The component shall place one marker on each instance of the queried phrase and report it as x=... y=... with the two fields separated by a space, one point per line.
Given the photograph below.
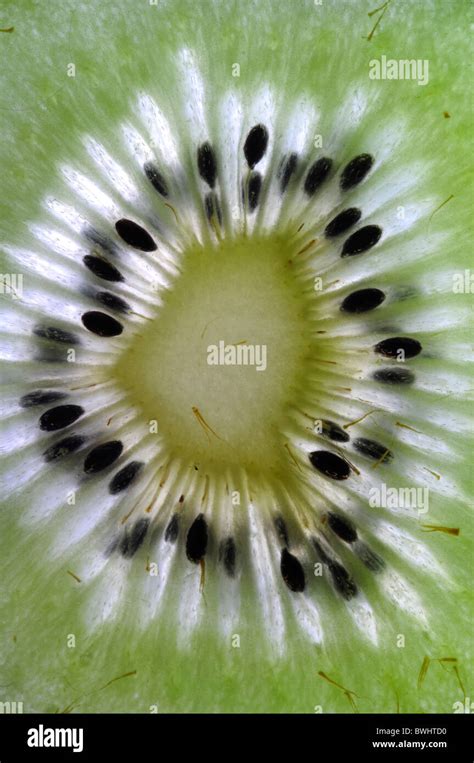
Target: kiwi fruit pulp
x=234 y=431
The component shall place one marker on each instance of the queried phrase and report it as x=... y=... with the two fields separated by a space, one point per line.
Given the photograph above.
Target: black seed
x=362 y=300
x=172 y=530
x=124 y=478
x=394 y=376
x=317 y=174
x=100 y=240
x=342 y=222
x=206 y=162
x=343 y=528
x=227 y=554
x=320 y=551
x=60 y=417
x=156 y=178
x=255 y=145
x=102 y=456
x=132 y=541
x=64 y=448
x=342 y=580
x=373 y=449
x=102 y=269
x=286 y=170
x=41 y=397
x=253 y=189
x=196 y=540
x=372 y=561
x=292 y=572
x=330 y=464
x=361 y=241
x=112 y=301
x=391 y=347
x=355 y=171
x=101 y=324
x=282 y=531
x=134 y=235
x=212 y=207
x=334 y=431
x=54 y=334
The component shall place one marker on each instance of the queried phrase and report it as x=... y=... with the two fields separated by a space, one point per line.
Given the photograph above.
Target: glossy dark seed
x=132 y=540
x=342 y=580
x=286 y=170
x=334 y=431
x=394 y=376
x=227 y=554
x=113 y=302
x=255 y=145
x=101 y=324
x=102 y=456
x=342 y=222
x=330 y=464
x=172 y=529
x=370 y=559
x=102 y=269
x=196 y=540
x=156 y=178
x=54 y=334
x=292 y=572
x=207 y=165
x=253 y=189
x=361 y=241
x=134 y=235
x=343 y=528
x=41 y=397
x=354 y=172
x=60 y=417
x=63 y=448
x=99 y=239
x=125 y=477
x=390 y=348
x=317 y=174
x=282 y=531
x=373 y=449
x=362 y=300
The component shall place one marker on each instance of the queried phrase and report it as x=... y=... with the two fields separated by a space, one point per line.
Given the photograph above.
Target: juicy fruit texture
x=245 y=165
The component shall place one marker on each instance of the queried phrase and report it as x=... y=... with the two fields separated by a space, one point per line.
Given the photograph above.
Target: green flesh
x=117 y=50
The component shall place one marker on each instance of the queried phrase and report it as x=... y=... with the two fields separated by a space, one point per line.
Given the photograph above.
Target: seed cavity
x=373 y=449
x=342 y=527
x=206 y=162
x=227 y=555
x=132 y=540
x=99 y=239
x=212 y=207
x=342 y=580
x=196 y=540
x=354 y=172
x=334 y=431
x=292 y=571
x=342 y=222
x=394 y=376
x=317 y=174
x=172 y=529
x=156 y=178
x=255 y=145
x=53 y=334
x=369 y=558
x=361 y=241
x=254 y=187
x=101 y=324
x=286 y=170
x=281 y=530
x=330 y=464
x=113 y=302
x=362 y=300
x=102 y=456
x=60 y=417
x=41 y=397
x=134 y=235
x=64 y=448
x=125 y=477
x=102 y=269
x=390 y=348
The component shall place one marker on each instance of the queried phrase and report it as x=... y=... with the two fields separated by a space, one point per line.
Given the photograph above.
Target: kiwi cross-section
x=235 y=339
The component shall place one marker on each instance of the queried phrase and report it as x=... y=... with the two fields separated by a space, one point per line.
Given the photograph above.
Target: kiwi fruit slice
x=235 y=419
